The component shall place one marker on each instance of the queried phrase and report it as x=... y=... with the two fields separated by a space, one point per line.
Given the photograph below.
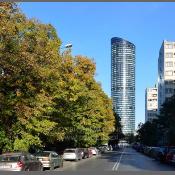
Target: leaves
x=160 y=131
x=46 y=97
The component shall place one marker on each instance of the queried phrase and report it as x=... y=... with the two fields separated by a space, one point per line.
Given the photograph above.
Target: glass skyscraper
x=123 y=82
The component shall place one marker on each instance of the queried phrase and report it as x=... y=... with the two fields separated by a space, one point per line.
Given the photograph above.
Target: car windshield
x=69 y=151
x=44 y=154
x=9 y=158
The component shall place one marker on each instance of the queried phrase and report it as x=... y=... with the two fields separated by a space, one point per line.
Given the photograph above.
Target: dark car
x=103 y=148
x=147 y=150
x=86 y=153
x=170 y=157
x=19 y=162
x=162 y=153
x=152 y=152
x=141 y=148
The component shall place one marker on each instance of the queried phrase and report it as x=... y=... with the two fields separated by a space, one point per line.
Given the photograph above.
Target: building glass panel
x=123 y=82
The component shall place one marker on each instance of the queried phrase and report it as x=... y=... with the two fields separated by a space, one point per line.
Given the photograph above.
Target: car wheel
x=61 y=164
x=42 y=168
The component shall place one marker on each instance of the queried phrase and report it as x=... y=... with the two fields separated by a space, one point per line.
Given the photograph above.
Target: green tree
x=46 y=96
x=117 y=134
x=83 y=106
x=161 y=130
x=147 y=133
x=167 y=121
x=29 y=58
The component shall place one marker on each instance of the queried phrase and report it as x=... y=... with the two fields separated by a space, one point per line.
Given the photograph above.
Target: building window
x=169 y=73
x=169 y=90
x=168 y=46
x=169 y=55
x=169 y=64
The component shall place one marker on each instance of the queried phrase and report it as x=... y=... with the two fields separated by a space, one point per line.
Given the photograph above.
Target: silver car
x=19 y=162
x=72 y=154
x=50 y=159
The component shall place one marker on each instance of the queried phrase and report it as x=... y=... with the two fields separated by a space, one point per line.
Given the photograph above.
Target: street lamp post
x=67 y=47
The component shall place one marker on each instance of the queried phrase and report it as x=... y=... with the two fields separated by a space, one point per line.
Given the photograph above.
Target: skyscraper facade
x=123 y=82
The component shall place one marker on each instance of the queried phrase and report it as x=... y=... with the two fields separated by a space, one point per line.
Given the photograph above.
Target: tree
x=147 y=133
x=84 y=108
x=46 y=97
x=130 y=138
x=29 y=58
x=117 y=134
x=167 y=120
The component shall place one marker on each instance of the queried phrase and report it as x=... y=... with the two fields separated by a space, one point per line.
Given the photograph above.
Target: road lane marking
x=116 y=165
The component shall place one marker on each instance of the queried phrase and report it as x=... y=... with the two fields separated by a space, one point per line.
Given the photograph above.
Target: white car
x=72 y=154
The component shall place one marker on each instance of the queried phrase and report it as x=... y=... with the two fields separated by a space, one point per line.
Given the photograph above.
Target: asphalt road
x=125 y=159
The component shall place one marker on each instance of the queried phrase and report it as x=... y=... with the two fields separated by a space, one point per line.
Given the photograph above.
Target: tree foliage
x=117 y=134
x=160 y=131
x=46 y=96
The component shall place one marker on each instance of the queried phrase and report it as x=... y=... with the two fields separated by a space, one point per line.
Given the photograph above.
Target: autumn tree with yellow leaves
x=46 y=96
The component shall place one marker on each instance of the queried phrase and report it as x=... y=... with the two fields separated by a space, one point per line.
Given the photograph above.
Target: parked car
x=161 y=153
x=170 y=158
x=72 y=154
x=103 y=148
x=147 y=150
x=82 y=151
x=153 y=151
x=90 y=152
x=19 y=162
x=94 y=151
x=138 y=147
x=50 y=159
x=86 y=153
x=134 y=145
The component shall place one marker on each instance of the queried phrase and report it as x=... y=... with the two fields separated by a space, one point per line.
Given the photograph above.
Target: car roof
x=14 y=153
x=71 y=148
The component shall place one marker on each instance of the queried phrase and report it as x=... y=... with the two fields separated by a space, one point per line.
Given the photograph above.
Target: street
x=125 y=159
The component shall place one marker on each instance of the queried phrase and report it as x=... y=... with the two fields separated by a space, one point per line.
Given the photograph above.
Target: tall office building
x=151 y=104
x=166 y=72
x=123 y=82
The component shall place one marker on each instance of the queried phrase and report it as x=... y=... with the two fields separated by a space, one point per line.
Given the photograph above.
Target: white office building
x=166 y=72
x=151 y=104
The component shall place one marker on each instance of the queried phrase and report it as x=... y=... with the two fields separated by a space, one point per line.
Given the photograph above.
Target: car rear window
x=69 y=151
x=5 y=158
x=44 y=154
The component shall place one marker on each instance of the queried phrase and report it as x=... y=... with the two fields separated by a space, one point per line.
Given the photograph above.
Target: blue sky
x=89 y=26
